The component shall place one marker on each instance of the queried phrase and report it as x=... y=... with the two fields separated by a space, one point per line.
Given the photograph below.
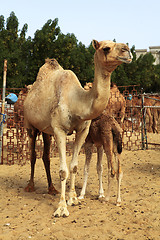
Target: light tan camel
x=106 y=134
x=57 y=105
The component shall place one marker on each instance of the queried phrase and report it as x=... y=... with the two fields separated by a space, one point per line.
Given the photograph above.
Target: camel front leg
x=62 y=210
x=111 y=172
x=79 y=140
x=88 y=152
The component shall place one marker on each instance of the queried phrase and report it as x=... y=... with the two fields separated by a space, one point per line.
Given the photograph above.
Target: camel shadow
x=8 y=183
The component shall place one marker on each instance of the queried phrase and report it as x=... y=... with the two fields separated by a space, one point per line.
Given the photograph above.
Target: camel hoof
x=118 y=204
x=81 y=197
x=73 y=201
x=52 y=190
x=107 y=199
x=29 y=188
x=101 y=198
x=112 y=173
x=61 y=212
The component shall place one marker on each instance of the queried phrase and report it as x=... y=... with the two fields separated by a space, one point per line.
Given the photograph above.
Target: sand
x=30 y=215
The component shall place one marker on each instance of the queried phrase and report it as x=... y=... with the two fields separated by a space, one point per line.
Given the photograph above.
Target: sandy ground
x=30 y=215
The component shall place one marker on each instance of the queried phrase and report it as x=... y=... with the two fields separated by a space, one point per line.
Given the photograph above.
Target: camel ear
x=95 y=44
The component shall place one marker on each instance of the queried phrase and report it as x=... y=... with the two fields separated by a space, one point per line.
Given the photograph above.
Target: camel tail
x=117 y=138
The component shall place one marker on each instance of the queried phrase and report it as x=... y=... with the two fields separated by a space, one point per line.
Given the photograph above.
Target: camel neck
x=99 y=93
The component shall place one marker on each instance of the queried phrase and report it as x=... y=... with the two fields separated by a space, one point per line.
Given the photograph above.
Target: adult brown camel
x=19 y=117
x=18 y=107
x=106 y=134
x=136 y=112
x=57 y=105
x=155 y=100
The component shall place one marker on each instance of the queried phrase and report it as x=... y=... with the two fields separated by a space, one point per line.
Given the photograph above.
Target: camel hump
x=54 y=65
x=47 y=68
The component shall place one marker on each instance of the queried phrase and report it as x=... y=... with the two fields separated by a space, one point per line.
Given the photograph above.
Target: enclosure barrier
x=15 y=140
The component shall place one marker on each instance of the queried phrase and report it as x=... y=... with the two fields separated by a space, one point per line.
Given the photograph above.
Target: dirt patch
x=30 y=215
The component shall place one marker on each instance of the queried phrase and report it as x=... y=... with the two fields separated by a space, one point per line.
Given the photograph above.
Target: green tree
x=145 y=71
x=12 y=48
x=155 y=81
x=26 y=56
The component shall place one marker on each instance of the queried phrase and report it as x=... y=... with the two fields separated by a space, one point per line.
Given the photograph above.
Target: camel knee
x=74 y=169
x=63 y=175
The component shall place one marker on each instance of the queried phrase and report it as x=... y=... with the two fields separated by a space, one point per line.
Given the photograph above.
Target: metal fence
x=15 y=140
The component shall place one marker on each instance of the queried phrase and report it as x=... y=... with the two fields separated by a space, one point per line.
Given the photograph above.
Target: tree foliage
x=26 y=55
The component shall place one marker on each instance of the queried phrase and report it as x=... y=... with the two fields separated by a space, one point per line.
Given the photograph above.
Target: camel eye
x=106 y=50
x=124 y=50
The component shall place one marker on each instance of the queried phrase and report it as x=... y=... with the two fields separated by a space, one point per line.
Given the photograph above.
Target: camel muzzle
x=126 y=59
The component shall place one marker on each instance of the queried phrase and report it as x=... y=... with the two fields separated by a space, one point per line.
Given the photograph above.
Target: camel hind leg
x=32 y=140
x=46 y=161
x=119 y=175
x=88 y=152
x=100 y=170
x=108 y=148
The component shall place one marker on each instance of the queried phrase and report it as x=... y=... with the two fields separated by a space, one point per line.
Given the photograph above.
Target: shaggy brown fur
x=104 y=133
x=116 y=104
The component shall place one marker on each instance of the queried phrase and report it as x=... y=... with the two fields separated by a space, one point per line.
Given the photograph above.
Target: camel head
x=110 y=54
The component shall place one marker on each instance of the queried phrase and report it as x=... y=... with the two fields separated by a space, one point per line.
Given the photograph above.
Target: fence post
x=142 y=111
x=144 y=120
x=3 y=109
x=143 y=128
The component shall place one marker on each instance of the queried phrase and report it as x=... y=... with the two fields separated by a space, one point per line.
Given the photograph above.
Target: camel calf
x=105 y=133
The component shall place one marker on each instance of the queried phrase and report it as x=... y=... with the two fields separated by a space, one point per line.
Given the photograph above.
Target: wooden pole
x=142 y=123
x=3 y=109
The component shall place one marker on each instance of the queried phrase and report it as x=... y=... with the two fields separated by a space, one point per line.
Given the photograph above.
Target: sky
x=136 y=22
